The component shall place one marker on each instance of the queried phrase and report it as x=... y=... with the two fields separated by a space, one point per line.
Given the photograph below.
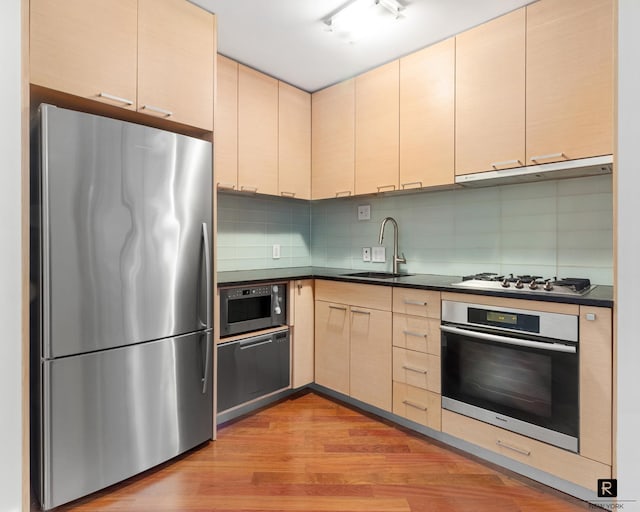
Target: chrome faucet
x=396 y=259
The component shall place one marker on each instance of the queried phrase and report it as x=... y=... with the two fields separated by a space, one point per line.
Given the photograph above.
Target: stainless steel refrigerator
x=121 y=314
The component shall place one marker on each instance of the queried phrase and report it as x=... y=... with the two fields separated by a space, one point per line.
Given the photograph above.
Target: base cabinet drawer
x=416 y=333
x=416 y=302
x=558 y=462
x=417 y=405
x=416 y=369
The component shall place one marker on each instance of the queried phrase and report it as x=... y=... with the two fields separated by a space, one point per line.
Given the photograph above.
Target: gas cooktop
x=526 y=283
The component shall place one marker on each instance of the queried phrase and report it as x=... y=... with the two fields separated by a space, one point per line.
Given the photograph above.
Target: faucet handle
x=401 y=259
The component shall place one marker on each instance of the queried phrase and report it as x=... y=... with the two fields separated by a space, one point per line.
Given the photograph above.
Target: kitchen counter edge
x=600 y=296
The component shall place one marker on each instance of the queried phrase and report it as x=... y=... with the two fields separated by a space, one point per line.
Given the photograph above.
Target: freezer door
x=125 y=213
x=112 y=414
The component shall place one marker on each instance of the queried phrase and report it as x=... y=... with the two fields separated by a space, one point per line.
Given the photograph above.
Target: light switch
x=276 y=251
x=378 y=254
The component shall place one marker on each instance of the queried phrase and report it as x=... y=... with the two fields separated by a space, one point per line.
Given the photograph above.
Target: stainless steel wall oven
x=514 y=368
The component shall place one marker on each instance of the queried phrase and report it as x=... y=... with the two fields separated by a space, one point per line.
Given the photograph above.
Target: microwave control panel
x=253 y=291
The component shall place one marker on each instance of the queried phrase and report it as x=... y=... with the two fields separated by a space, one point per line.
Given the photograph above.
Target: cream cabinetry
x=353 y=341
x=257 y=132
x=427 y=102
x=570 y=74
x=153 y=57
x=302 y=324
x=226 y=124
x=490 y=95
x=294 y=142
x=416 y=356
x=333 y=141
x=377 y=130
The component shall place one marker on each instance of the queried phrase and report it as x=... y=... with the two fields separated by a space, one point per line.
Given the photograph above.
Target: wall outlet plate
x=366 y=254
x=378 y=254
x=276 y=251
x=364 y=212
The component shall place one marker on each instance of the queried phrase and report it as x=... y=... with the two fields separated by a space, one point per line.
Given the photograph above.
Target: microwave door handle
x=554 y=347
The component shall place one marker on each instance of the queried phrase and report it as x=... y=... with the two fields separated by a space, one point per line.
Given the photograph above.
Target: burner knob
x=505 y=283
x=519 y=284
x=533 y=285
x=548 y=286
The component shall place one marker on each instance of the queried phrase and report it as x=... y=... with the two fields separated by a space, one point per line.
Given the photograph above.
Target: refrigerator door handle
x=207 y=363
x=207 y=263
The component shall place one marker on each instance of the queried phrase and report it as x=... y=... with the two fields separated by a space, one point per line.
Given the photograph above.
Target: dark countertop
x=601 y=295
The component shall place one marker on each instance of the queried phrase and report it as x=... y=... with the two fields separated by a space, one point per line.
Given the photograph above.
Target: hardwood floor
x=310 y=453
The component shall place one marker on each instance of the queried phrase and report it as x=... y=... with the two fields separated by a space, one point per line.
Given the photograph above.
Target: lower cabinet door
x=332 y=346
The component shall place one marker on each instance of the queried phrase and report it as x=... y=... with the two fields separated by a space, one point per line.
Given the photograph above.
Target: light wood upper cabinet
x=87 y=48
x=490 y=95
x=333 y=142
x=175 y=62
x=427 y=93
x=377 y=129
x=226 y=125
x=294 y=142
x=569 y=79
x=257 y=131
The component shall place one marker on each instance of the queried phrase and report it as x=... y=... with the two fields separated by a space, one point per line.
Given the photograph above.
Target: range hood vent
x=594 y=166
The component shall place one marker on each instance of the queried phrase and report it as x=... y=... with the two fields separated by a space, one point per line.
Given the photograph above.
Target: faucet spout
x=396 y=259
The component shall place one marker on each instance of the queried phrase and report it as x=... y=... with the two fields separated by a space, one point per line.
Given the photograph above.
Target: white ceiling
x=288 y=40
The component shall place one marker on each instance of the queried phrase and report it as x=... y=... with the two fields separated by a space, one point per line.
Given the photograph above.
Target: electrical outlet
x=366 y=254
x=378 y=254
x=276 y=251
x=364 y=212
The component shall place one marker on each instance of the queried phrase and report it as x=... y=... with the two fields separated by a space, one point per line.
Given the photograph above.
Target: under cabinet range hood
x=594 y=166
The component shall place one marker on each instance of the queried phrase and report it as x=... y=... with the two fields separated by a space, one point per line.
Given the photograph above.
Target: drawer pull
x=111 y=97
x=415 y=405
x=163 y=112
x=514 y=448
x=361 y=312
x=339 y=308
x=415 y=302
x=226 y=186
x=546 y=157
x=390 y=187
x=416 y=334
x=412 y=369
x=405 y=185
x=343 y=193
x=506 y=162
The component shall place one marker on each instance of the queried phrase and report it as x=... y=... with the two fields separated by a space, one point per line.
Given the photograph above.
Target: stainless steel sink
x=376 y=275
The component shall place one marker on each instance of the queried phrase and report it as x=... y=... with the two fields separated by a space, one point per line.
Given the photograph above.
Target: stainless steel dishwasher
x=252 y=367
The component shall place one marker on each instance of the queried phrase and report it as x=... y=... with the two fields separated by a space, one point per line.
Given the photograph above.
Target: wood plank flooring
x=309 y=454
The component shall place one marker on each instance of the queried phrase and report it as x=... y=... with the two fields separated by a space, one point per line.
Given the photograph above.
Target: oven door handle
x=554 y=347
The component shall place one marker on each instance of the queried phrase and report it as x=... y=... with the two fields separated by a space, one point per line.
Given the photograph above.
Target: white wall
x=10 y=259
x=628 y=299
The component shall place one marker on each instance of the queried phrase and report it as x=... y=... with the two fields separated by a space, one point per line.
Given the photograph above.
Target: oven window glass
x=532 y=385
x=250 y=308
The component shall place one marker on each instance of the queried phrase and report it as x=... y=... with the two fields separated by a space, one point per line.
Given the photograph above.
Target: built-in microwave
x=252 y=308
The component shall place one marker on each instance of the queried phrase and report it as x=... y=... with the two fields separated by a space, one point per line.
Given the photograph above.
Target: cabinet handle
x=405 y=185
x=412 y=369
x=546 y=157
x=343 y=193
x=514 y=448
x=226 y=186
x=392 y=187
x=416 y=334
x=157 y=110
x=288 y=194
x=339 y=308
x=414 y=405
x=415 y=302
x=505 y=162
x=111 y=97
x=253 y=190
x=360 y=312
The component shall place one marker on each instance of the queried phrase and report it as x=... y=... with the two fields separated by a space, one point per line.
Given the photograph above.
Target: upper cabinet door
x=175 y=65
x=377 y=129
x=427 y=91
x=333 y=143
x=294 y=142
x=226 y=125
x=257 y=132
x=85 y=47
x=490 y=95
x=569 y=79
